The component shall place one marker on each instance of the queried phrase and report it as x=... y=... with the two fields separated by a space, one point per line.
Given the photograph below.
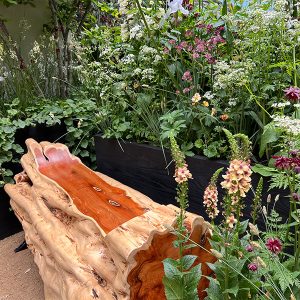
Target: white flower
x=2 y=79
x=124 y=32
x=174 y=7
x=136 y=32
x=291 y=126
x=209 y=95
x=281 y=104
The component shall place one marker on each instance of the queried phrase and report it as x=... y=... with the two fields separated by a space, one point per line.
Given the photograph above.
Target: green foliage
x=181 y=285
x=75 y=115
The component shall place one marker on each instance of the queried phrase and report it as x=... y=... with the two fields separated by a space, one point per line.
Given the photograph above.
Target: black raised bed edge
x=143 y=167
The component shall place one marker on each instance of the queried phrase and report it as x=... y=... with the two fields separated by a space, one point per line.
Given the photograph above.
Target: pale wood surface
x=91 y=236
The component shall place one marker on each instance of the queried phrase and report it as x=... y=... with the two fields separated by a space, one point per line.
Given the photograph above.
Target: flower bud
x=253 y=229
x=216 y=253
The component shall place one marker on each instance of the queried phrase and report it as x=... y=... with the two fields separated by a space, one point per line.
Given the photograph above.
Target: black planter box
x=144 y=168
x=9 y=224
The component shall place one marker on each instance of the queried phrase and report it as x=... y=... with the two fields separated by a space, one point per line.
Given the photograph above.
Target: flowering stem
x=155 y=44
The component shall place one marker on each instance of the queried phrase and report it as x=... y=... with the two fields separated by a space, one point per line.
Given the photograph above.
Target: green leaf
x=170 y=268
x=173 y=288
x=214 y=290
x=264 y=170
x=188 y=260
x=270 y=134
x=211 y=151
x=199 y=144
x=243 y=226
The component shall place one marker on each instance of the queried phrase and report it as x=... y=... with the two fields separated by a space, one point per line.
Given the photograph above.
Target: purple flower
x=210 y=58
x=297 y=170
x=287 y=163
x=292 y=93
x=249 y=248
x=274 y=245
x=296 y=196
x=294 y=153
x=252 y=267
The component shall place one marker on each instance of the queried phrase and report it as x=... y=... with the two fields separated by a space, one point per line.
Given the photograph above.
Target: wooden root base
x=93 y=237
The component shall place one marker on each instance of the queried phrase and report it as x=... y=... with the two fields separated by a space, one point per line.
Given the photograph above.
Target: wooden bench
x=91 y=236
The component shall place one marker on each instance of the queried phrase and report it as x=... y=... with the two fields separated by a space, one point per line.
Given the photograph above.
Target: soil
x=19 y=275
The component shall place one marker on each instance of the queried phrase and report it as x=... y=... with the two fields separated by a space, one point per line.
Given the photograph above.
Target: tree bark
x=93 y=237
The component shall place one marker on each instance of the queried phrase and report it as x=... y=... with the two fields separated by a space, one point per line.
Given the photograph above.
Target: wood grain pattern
x=93 y=237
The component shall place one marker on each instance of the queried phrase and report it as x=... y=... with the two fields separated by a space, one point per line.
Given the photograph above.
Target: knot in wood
x=114 y=203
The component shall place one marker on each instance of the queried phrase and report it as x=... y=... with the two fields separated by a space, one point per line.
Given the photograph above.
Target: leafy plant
x=181 y=278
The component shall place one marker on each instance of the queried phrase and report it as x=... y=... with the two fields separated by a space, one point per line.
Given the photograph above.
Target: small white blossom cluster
x=280 y=5
x=136 y=32
x=290 y=125
x=149 y=55
x=209 y=95
x=148 y=74
x=230 y=75
x=232 y=102
x=128 y=59
x=123 y=7
x=281 y=104
x=124 y=32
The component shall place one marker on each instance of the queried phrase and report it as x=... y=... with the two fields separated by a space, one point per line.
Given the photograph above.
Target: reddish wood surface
x=109 y=206
x=145 y=279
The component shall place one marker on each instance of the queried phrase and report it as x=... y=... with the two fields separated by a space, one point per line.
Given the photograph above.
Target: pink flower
x=231 y=220
x=177 y=92
x=209 y=28
x=274 y=245
x=249 y=248
x=252 y=267
x=187 y=90
x=182 y=174
x=183 y=44
x=187 y=76
x=286 y=163
x=292 y=93
x=190 y=48
x=188 y=33
x=166 y=50
x=200 y=47
x=195 y=55
x=172 y=42
x=237 y=177
x=210 y=58
x=210 y=201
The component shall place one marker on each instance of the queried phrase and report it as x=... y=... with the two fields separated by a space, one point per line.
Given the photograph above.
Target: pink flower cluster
x=237 y=177
x=210 y=201
x=288 y=163
x=187 y=76
x=274 y=245
x=201 y=41
x=292 y=93
x=182 y=174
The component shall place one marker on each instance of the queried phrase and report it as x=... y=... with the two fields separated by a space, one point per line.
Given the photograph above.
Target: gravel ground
x=19 y=276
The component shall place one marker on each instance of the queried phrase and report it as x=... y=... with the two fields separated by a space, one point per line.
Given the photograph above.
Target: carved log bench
x=91 y=236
